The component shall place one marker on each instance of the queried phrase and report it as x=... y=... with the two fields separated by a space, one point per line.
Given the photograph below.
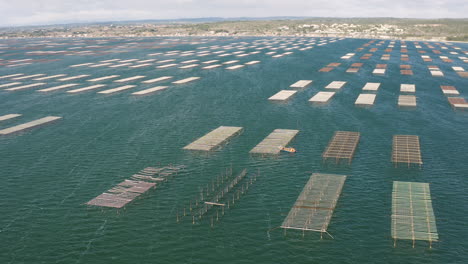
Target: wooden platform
x=412 y=214
x=335 y=85
x=252 y=62
x=282 y=95
x=449 y=90
x=407 y=101
x=9 y=84
x=122 y=194
x=84 y=89
x=407 y=88
x=276 y=140
x=342 y=146
x=9 y=116
x=235 y=67
x=365 y=100
x=103 y=78
x=379 y=71
x=27 y=86
x=314 y=207
x=73 y=77
x=118 y=89
x=371 y=87
x=458 y=102
x=159 y=79
x=301 y=84
x=29 y=125
x=214 y=139
x=150 y=90
x=130 y=79
x=126 y=191
x=322 y=97
x=406 y=149
x=59 y=87
x=186 y=80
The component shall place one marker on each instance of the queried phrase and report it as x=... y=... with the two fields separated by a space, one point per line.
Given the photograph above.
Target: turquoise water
x=49 y=173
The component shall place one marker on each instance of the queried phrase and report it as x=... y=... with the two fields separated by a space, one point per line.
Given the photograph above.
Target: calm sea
x=49 y=173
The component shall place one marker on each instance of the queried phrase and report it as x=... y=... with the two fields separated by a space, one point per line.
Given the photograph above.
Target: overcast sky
x=40 y=12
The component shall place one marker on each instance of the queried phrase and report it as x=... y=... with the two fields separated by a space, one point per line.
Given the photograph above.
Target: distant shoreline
x=442 y=30
x=227 y=36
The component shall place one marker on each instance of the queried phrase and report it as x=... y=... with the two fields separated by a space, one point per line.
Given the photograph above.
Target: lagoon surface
x=49 y=173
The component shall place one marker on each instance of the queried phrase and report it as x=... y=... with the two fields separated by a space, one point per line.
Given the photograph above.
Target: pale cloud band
x=40 y=12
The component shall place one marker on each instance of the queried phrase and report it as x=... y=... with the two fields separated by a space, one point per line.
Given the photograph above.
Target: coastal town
x=401 y=29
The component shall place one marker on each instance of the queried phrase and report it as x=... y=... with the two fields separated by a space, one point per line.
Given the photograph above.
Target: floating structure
x=120 y=65
x=130 y=78
x=188 y=66
x=100 y=65
x=126 y=191
x=68 y=85
x=252 y=62
x=407 y=101
x=150 y=90
x=92 y=87
x=371 y=87
x=211 y=66
x=141 y=65
x=435 y=71
x=335 y=85
x=379 y=71
x=210 y=61
x=275 y=141
x=235 y=67
x=9 y=116
x=166 y=66
x=230 y=62
x=365 y=100
x=11 y=75
x=10 y=84
x=118 y=89
x=220 y=195
x=165 y=61
x=188 y=61
x=449 y=90
x=186 y=80
x=50 y=77
x=406 y=149
x=25 y=86
x=314 y=207
x=29 y=125
x=353 y=70
x=322 y=97
x=458 y=103
x=214 y=139
x=160 y=79
x=103 y=78
x=407 y=88
x=326 y=69
x=122 y=194
x=348 y=56
x=73 y=77
x=342 y=146
x=282 y=95
x=28 y=76
x=301 y=84
x=463 y=74
x=412 y=213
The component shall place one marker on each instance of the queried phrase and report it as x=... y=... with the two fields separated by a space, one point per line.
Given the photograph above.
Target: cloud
x=33 y=12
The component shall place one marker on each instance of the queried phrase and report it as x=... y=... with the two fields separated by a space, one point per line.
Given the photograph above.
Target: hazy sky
x=34 y=12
